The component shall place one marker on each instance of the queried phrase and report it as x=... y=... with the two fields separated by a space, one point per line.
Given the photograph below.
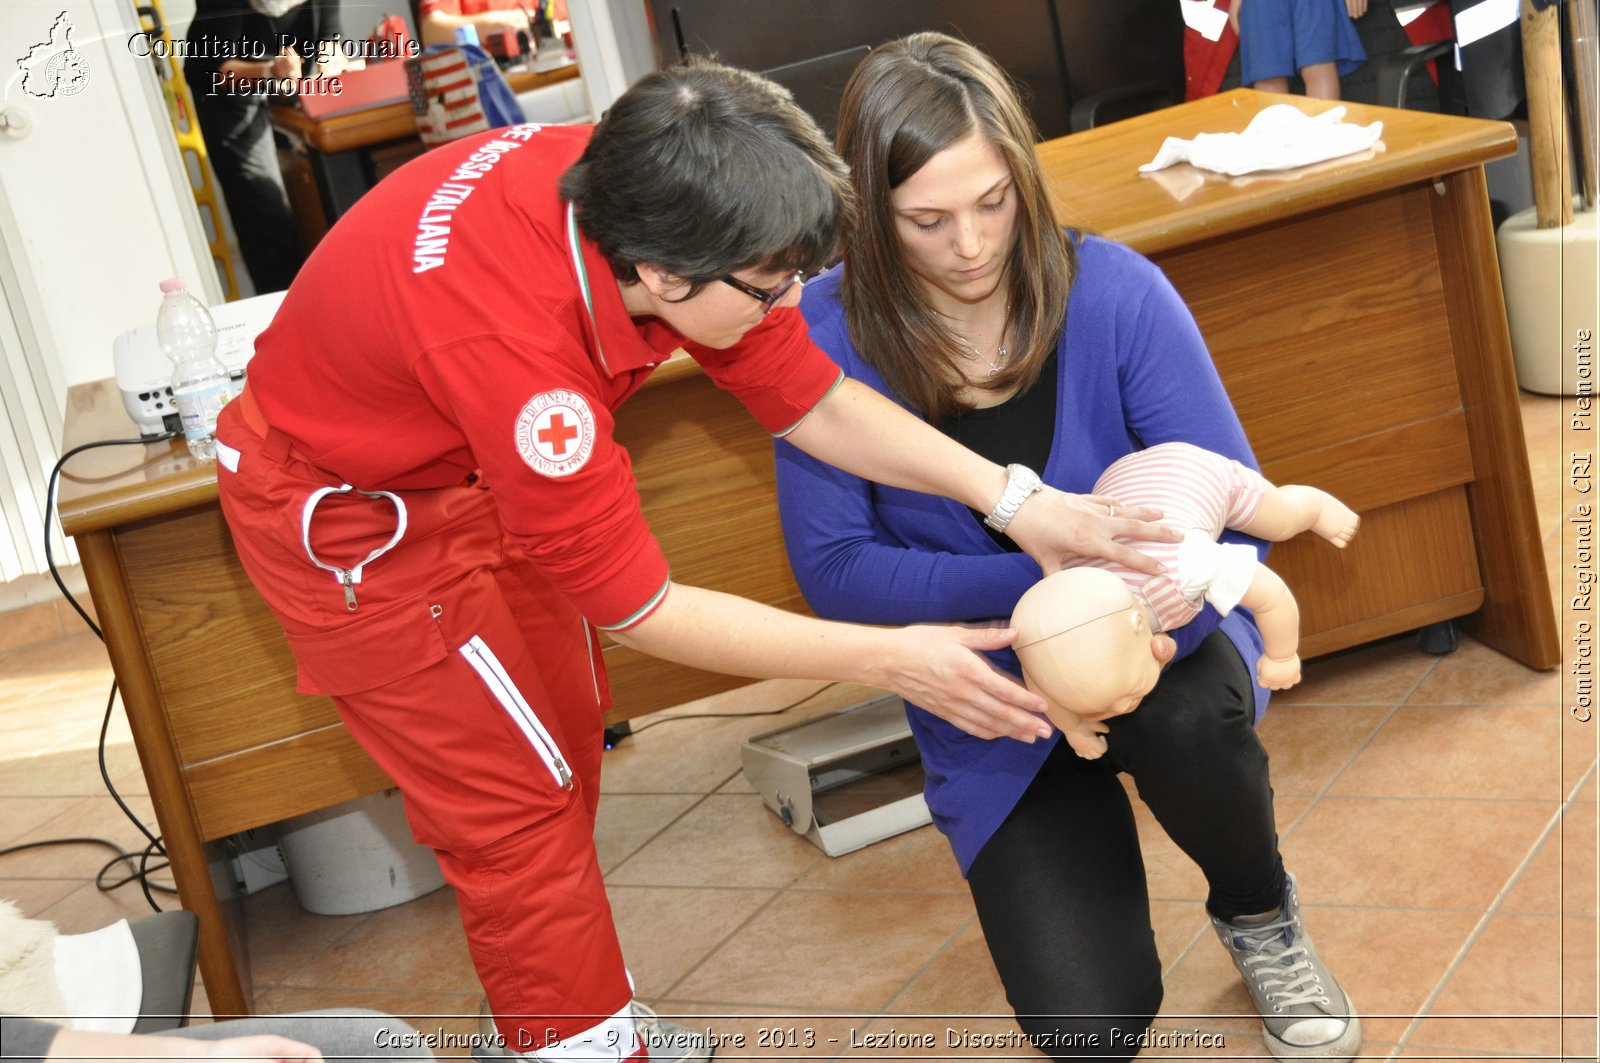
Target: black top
x=232 y=29
x=1018 y=431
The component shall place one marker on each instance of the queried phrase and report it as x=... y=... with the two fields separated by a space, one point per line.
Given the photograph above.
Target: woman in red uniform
x=421 y=480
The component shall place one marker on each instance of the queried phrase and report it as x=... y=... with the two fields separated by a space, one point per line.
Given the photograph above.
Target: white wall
x=97 y=222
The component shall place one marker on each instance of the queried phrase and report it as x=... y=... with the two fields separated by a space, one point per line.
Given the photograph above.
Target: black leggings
x=1060 y=888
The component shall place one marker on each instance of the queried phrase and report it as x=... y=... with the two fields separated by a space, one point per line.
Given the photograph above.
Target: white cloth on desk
x=1281 y=137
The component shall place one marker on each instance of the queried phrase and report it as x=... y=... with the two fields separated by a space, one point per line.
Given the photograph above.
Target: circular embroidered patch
x=555 y=432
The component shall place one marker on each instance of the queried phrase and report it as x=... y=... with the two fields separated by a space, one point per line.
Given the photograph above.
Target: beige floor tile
x=826 y=949
x=30 y=626
x=726 y=840
x=1543 y=422
x=1460 y=751
x=960 y=982
x=1476 y=675
x=918 y=860
x=1378 y=851
x=1181 y=927
x=1579 y=1041
x=1310 y=744
x=87 y=817
x=1387 y=960
x=33 y=895
x=1559 y=579
x=416 y=945
x=50 y=661
x=1506 y=993
x=1580 y=755
x=1382 y=673
x=1560 y=880
x=626 y=822
x=667 y=931
x=74 y=773
x=283 y=937
x=24 y=815
x=89 y=908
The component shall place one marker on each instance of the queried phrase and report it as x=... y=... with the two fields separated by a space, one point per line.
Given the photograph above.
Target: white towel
x=1281 y=137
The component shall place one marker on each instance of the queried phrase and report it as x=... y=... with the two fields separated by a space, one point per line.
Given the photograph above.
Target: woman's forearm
x=858 y=430
x=938 y=668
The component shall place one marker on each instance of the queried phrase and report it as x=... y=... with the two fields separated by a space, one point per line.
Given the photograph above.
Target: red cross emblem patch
x=555 y=432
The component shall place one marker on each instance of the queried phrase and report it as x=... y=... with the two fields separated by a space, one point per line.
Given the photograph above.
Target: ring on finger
x=1111 y=509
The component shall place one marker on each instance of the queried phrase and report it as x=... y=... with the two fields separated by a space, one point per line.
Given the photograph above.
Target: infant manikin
x=1085 y=634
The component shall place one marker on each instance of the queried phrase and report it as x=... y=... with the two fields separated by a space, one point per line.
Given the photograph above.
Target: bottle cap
x=173 y=284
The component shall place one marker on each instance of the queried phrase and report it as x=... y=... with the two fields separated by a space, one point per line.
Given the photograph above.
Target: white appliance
x=144 y=375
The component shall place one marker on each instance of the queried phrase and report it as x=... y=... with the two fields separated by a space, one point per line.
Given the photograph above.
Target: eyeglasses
x=767 y=298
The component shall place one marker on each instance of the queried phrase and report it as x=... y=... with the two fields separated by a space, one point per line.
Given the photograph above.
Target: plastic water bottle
x=200 y=382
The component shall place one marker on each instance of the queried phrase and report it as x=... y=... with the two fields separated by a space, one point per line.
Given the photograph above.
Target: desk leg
x=225 y=971
x=1518 y=614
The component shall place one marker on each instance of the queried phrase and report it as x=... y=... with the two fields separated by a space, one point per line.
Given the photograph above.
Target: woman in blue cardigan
x=961 y=298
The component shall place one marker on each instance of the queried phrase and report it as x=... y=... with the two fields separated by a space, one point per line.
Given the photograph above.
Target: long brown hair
x=907 y=101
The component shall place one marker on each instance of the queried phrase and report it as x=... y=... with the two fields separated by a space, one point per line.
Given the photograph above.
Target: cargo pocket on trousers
x=380 y=648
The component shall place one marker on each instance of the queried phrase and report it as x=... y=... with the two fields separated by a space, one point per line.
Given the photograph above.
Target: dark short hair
x=703 y=170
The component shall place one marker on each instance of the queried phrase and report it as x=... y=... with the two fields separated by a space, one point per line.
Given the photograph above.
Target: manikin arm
x=1086 y=739
x=1278 y=618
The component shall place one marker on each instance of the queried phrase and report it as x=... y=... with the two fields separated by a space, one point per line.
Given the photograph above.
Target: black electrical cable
x=617 y=732
x=142 y=870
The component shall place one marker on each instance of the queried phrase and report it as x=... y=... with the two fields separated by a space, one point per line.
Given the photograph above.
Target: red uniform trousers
x=475 y=685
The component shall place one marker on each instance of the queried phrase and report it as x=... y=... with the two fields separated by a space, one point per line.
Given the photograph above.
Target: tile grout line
x=1203 y=933
x=928 y=965
x=1494 y=908
x=777 y=894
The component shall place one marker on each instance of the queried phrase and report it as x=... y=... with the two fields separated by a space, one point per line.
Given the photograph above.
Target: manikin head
x=1084 y=641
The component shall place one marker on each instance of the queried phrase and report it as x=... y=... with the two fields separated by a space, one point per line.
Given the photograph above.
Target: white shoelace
x=1286 y=976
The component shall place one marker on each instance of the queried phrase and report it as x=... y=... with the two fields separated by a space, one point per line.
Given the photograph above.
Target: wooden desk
x=334 y=160
x=1355 y=313
x=1356 y=316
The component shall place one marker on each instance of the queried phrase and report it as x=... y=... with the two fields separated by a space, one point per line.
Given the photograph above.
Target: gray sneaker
x=667 y=1041
x=1304 y=1013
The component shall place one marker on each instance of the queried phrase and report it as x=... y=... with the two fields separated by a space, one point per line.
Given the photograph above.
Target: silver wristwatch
x=1021 y=482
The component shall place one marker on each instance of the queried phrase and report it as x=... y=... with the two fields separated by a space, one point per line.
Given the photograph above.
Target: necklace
x=995 y=363
x=1001 y=351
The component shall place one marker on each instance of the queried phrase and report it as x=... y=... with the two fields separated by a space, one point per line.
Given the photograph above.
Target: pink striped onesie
x=1200 y=493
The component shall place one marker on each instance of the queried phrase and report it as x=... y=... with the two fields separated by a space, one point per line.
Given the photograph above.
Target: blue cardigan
x=1133 y=372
